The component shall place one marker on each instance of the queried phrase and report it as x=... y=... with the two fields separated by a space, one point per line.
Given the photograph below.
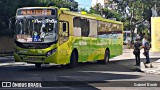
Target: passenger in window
x=35 y=37
x=42 y=34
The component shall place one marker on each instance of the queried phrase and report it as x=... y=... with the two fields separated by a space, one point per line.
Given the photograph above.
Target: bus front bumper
x=36 y=59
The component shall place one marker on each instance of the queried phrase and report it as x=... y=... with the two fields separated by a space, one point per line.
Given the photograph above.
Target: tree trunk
x=132 y=34
x=132 y=15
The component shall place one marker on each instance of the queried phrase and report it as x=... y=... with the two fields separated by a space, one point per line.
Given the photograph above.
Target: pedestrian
x=136 y=51
x=138 y=36
x=146 y=45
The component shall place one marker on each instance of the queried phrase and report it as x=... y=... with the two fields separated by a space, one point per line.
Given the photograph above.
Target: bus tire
x=38 y=65
x=73 y=60
x=106 y=57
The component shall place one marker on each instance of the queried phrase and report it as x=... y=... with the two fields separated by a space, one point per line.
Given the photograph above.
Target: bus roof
x=36 y=8
x=91 y=16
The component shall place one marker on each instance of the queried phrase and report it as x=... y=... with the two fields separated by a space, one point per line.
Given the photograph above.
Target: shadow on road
x=85 y=73
x=117 y=65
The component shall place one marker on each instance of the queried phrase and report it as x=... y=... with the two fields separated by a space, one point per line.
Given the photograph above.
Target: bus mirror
x=10 y=23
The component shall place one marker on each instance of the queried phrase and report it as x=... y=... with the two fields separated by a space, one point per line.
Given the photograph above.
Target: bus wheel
x=73 y=60
x=106 y=57
x=38 y=65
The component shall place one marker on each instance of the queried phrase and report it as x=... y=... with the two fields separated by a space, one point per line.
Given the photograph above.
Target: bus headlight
x=51 y=52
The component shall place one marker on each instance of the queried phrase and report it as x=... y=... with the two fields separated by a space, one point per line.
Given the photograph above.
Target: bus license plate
x=32 y=58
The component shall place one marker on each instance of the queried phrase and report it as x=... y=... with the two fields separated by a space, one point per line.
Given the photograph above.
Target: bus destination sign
x=36 y=12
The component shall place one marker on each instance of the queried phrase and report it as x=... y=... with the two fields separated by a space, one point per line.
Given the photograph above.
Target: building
x=155 y=36
x=104 y=4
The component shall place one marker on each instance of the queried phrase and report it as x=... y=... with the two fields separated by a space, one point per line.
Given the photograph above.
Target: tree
x=71 y=4
x=8 y=9
x=98 y=9
x=111 y=14
x=83 y=9
x=136 y=12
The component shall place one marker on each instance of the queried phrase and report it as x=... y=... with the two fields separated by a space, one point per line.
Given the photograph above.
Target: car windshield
x=36 y=30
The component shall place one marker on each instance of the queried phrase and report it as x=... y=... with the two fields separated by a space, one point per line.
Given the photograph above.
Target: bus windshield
x=36 y=30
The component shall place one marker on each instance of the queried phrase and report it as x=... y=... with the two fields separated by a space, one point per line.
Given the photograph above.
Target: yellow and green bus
x=56 y=35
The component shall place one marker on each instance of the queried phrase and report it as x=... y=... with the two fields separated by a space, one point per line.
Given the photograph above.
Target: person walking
x=146 y=45
x=136 y=51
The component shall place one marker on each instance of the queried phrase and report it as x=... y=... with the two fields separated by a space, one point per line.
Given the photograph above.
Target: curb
x=151 y=68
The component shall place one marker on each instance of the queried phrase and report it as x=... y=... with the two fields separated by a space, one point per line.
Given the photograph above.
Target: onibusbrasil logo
x=20 y=84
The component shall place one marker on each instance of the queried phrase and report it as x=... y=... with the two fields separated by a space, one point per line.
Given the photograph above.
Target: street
x=116 y=70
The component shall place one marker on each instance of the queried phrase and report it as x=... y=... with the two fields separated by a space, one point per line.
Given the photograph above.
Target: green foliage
x=111 y=14
x=92 y=10
x=83 y=9
x=73 y=6
x=138 y=10
x=97 y=9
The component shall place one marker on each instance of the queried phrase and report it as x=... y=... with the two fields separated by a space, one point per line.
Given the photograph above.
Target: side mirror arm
x=10 y=22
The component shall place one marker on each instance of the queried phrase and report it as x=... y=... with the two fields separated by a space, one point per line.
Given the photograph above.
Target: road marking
x=25 y=64
x=15 y=64
x=113 y=72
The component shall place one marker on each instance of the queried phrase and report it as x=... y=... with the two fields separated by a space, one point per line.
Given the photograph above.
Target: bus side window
x=64 y=27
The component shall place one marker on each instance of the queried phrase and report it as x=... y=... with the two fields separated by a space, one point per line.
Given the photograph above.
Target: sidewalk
x=128 y=54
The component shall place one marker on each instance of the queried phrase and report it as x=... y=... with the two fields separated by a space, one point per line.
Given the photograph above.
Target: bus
x=127 y=37
x=47 y=35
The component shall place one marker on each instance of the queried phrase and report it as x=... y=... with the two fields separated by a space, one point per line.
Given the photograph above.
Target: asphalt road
x=86 y=76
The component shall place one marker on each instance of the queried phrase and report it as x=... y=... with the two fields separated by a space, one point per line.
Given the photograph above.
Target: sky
x=84 y=4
